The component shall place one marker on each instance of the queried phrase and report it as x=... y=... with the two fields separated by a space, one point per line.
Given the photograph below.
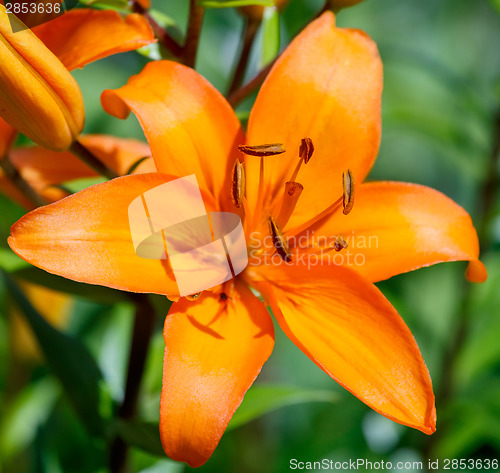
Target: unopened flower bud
x=38 y=95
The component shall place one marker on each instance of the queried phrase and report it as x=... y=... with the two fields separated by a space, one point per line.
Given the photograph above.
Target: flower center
x=292 y=192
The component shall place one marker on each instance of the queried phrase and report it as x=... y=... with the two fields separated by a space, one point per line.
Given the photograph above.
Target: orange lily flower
x=38 y=95
x=325 y=87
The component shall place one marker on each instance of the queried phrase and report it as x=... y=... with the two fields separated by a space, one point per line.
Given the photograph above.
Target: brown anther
x=238 y=183
x=262 y=150
x=279 y=240
x=339 y=243
x=306 y=149
x=193 y=297
x=348 y=185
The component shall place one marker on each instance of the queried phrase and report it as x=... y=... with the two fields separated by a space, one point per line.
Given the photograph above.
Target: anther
x=262 y=150
x=348 y=186
x=339 y=243
x=306 y=149
x=279 y=240
x=238 y=183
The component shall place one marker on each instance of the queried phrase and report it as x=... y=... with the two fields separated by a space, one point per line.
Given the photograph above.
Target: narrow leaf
x=68 y=359
x=263 y=399
x=270 y=35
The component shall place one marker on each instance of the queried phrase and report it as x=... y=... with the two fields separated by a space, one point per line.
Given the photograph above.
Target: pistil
x=290 y=199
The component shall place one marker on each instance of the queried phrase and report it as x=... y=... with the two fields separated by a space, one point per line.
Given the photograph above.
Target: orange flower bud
x=38 y=95
x=255 y=12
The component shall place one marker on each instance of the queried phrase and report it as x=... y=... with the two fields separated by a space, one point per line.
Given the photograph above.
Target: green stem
x=144 y=323
x=459 y=338
x=251 y=28
x=196 y=14
x=91 y=160
x=160 y=32
x=238 y=95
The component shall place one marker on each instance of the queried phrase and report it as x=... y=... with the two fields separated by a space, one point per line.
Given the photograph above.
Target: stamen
x=238 y=184
x=306 y=150
x=279 y=241
x=262 y=150
x=339 y=243
x=290 y=199
x=348 y=185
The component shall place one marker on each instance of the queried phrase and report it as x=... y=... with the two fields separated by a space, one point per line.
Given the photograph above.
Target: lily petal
x=189 y=125
x=82 y=36
x=214 y=351
x=347 y=327
x=397 y=227
x=86 y=237
x=42 y=168
x=326 y=86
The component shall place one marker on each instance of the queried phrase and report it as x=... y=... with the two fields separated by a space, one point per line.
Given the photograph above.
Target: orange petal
x=86 y=237
x=348 y=328
x=396 y=227
x=326 y=86
x=43 y=168
x=214 y=351
x=190 y=127
x=82 y=36
x=38 y=96
x=7 y=136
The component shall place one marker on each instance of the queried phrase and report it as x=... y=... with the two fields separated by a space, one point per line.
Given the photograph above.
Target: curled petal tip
x=476 y=272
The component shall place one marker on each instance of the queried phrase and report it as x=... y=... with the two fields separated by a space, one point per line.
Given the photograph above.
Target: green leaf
x=139 y=434
x=164 y=466
x=101 y=294
x=258 y=401
x=10 y=262
x=270 y=35
x=233 y=3
x=68 y=360
x=31 y=408
x=263 y=399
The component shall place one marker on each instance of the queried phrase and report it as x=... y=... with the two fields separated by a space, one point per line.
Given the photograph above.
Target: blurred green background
x=441 y=105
